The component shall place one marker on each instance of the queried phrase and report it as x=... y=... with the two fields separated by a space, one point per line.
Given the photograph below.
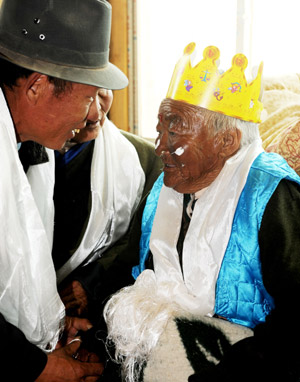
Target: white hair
x=249 y=130
x=222 y=122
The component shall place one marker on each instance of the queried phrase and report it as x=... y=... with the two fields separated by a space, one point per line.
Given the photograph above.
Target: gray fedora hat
x=67 y=39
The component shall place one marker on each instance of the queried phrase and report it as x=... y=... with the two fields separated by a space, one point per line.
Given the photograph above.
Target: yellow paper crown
x=227 y=93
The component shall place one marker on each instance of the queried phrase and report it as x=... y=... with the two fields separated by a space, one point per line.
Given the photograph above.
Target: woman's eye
x=174 y=124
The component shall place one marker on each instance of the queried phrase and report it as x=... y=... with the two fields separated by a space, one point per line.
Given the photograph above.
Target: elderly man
x=54 y=64
x=221 y=231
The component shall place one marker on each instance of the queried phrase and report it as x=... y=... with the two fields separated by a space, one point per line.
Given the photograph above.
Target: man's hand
x=74 y=298
x=72 y=326
x=63 y=367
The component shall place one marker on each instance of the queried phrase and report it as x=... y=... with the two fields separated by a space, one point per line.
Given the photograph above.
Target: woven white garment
x=28 y=294
x=117 y=183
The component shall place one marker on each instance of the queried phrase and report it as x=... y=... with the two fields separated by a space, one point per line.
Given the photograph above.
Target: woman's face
x=103 y=102
x=188 y=149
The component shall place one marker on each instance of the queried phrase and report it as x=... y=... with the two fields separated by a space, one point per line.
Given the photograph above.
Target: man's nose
x=95 y=112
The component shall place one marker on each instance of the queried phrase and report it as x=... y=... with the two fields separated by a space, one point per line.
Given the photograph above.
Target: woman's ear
x=35 y=86
x=231 y=140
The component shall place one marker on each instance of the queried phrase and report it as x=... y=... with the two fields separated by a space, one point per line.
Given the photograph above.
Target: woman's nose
x=161 y=145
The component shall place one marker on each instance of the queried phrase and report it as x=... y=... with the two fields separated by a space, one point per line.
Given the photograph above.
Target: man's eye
x=172 y=133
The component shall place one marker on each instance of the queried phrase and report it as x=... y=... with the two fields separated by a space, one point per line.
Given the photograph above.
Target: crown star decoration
x=227 y=93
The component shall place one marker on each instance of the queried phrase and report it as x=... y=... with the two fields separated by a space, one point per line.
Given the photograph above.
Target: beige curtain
x=123 y=54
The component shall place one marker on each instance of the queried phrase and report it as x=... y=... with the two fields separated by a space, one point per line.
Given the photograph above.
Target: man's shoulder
x=138 y=142
x=150 y=162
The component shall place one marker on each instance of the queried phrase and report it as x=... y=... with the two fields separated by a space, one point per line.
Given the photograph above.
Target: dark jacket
x=113 y=270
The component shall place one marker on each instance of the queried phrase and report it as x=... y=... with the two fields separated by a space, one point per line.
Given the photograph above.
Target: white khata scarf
x=28 y=294
x=137 y=315
x=117 y=183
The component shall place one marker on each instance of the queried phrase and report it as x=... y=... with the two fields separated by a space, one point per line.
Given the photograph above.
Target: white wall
x=264 y=30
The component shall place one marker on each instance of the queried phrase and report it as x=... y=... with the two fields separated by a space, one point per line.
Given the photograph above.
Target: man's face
x=105 y=98
x=54 y=118
x=189 y=150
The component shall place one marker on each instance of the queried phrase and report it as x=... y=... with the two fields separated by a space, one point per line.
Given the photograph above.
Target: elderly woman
x=221 y=233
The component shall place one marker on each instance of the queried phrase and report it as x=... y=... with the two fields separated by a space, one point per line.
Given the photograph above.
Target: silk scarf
x=117 y=182
x=28 y=293
x=193 y=286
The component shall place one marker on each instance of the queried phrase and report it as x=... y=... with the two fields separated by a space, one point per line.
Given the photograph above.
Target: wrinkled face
x=189 y=150
x=54 y=118
x=91 y=131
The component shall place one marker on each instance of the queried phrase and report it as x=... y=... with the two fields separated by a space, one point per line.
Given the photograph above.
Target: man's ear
x=231 y=140
x=35 y=86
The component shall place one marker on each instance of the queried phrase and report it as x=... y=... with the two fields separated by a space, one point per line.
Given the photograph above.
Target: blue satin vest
x=240 y=294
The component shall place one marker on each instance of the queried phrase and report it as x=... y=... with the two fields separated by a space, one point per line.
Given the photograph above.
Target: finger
x=77 y=290
x=71 y=334
x=73 y=324
x=92 y=357
x=91 y=379
x=86 y=356
x=92 y=369
x=76 y=285
x=73 y=292
x=59 y=345
x=81 y=324
x=73 y=346
x=83 y=355
x=75 y=308
x=69 y=302
x=66 y=292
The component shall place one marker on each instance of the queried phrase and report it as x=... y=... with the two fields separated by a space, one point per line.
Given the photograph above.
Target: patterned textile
x=190 y=344
x=280 y=130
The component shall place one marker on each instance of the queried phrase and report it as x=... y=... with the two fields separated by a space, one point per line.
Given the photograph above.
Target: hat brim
x=108 y=77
